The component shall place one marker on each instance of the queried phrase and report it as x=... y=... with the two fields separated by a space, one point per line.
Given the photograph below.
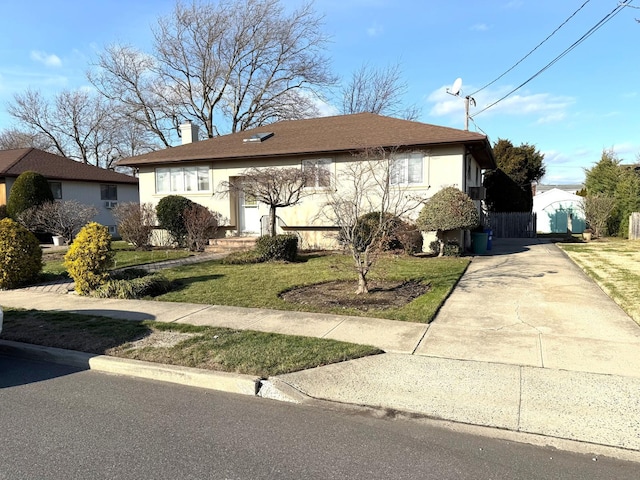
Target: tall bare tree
x=131 y=79
x=377 y=90
x=75 y=124
x=275 y=187
x=362 y=187
x=229 y=65
x=13 y=138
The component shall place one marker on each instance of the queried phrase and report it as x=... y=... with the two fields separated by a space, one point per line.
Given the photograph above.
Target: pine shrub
x=280 y=247
x=20 y=254
x=89 y=258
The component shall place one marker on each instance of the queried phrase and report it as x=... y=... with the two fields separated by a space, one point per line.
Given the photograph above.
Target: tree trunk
x=441 y=248
x=272 y=221
x=363 y=287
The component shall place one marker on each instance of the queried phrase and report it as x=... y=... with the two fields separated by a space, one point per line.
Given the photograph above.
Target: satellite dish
x=457 y=86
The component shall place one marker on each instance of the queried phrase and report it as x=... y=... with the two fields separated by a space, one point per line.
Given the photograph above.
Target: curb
x=187 y=376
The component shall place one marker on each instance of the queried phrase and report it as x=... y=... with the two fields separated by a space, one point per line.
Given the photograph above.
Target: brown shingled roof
x=324 y=135
x=55 y=167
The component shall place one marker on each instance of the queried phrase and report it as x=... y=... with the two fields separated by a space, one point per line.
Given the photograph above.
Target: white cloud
x=480 y=27
x=375 y=30
x=547 y=108
x=46 y=59
x=514 y=4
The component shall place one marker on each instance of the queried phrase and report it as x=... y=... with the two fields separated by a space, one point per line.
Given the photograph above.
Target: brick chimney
x=188 y=132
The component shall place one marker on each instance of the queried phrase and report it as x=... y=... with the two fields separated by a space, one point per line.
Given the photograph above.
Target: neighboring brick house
x=428 y=158
x=70 y=180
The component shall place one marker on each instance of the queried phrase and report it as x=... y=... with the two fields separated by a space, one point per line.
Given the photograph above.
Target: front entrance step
x=231 y=244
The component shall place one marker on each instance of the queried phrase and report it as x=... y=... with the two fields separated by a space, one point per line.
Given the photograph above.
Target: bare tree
x=377 y=91
x=233 y=64
x=276 y=187
x=75 y=124
x=598 y=209
x=135 y=223
x=64 y=218
x=363 y=186
x=201 y=224
x=131 y=79
x=12 y=139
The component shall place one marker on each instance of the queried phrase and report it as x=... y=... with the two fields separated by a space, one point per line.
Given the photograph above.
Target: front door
x=249 y=214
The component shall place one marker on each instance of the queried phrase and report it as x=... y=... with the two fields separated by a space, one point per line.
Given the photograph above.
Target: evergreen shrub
x=20 y=254
x=170 y=212
x=280 y=247
x=29 y=190
x=89 y=258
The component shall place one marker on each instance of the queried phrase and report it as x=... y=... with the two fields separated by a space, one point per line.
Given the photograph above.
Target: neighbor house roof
x=321 y=136
x=55 y=167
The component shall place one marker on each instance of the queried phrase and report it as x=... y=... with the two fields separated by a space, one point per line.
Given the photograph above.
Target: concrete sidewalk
x=526 y=342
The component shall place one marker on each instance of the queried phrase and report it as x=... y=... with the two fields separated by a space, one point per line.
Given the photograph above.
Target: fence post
x=634 y=226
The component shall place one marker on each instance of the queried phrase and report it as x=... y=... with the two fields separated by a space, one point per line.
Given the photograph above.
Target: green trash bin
x=479 y=242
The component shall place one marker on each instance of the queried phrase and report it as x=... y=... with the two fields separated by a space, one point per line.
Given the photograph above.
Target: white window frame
x=401 y=169
x=191 y=179
x=319 y=164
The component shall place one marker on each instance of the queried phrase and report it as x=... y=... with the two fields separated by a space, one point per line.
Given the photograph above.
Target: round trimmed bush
x=280 y=247
x=20 y=254
x=29 y=190
x=170 y=213
x=89 y=258
x=399 y=235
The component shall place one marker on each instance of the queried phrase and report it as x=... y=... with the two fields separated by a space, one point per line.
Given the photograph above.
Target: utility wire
x=590 y=32
x=536 y=47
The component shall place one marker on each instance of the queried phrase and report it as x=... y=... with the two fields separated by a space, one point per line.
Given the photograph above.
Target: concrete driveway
x=526 y=303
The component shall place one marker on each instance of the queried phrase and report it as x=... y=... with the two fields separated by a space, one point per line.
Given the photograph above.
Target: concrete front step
x=231 y=244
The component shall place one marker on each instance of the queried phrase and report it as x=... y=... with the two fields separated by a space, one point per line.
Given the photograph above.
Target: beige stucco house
x=426 y=159
x=70 y=180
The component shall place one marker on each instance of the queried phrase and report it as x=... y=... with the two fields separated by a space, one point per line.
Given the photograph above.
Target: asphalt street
x=59 y=422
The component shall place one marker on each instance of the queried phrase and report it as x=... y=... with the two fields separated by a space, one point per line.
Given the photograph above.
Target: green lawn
x=125 y=256
x=614 y=264
x=222 y=349
x=258 y=285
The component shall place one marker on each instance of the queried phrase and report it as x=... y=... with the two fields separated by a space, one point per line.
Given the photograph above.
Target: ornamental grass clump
x=20 y=254
x=89 y=258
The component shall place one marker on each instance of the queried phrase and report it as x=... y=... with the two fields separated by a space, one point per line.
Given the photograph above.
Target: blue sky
x=586 y=102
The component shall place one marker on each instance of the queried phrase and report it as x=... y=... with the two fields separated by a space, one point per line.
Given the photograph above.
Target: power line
x=590 y=32
x=534 y=49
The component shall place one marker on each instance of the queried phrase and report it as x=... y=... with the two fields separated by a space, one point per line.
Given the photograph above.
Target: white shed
x=559 y=211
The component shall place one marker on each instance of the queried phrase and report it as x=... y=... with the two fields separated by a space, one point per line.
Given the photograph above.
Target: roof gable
x=56 y=167
x=324 y=135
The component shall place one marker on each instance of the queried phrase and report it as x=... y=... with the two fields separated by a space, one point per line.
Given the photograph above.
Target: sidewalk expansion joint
x=189 y=314
x=520 y=398
x=333 y=328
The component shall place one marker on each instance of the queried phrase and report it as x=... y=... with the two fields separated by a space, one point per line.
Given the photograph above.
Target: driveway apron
x=526 y=303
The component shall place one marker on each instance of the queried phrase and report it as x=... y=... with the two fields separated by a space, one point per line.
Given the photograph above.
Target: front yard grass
x=259 y=285
x=221 y=349
x=125 y=256
x=614 y=264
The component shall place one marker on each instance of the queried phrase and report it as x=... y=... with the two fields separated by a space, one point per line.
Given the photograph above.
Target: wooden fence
x=634 y=226
x=511 y=224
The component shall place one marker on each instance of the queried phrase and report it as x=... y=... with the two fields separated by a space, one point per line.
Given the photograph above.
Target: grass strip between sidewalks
x=212 y=348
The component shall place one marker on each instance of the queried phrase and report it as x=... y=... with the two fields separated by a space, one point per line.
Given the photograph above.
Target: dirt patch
x=382 y=295
x=160 y=340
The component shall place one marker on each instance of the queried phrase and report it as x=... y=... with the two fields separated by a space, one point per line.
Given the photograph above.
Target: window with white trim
x=182 y=179
x=407 y=170
x=319 y=172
